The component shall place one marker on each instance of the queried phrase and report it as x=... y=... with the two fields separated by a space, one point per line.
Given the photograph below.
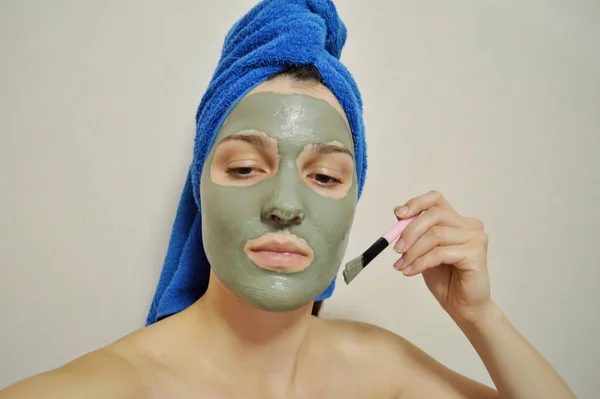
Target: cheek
x=227 y=212
x=333 y=219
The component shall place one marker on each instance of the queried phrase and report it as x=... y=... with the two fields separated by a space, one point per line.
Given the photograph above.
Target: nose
x=284 y=206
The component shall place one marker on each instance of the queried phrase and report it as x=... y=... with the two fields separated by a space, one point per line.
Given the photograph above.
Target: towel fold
x=271 y=37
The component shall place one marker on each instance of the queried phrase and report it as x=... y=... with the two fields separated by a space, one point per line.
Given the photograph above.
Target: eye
x=324 y=180
x=243 y=172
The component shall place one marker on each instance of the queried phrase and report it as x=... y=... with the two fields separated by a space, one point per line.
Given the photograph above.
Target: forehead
x=292 y=119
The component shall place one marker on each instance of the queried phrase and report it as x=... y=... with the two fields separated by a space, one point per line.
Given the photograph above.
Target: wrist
x=484 y=318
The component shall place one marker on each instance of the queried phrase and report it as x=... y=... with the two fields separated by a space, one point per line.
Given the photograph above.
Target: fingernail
x=399 y=247
x=407 y=271
x=399 y=263
x=401 y=211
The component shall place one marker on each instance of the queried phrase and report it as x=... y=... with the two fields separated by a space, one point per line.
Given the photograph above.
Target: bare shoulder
x=104 y=373
x=368 y=343
x=415 y=373
x=361 y=341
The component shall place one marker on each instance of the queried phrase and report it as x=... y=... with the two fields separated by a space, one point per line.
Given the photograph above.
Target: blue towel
x=272 y=36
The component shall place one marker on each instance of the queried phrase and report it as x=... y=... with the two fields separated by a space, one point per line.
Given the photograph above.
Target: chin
x=275 y=292
x=277 y=301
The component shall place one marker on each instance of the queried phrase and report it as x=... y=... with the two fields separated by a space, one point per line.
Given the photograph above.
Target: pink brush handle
x=395 y=231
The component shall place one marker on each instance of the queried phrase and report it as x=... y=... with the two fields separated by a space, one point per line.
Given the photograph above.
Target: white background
x=496 y=104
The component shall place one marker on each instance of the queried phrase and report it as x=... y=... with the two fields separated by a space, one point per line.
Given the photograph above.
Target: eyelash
x=332 y=181
x=238 y=172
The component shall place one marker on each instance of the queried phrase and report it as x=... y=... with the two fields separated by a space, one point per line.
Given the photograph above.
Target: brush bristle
x=352 y=269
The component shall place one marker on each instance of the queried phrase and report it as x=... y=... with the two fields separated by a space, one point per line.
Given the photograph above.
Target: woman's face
x=278 y=193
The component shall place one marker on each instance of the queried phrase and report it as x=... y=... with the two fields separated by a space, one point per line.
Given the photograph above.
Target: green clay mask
x=280 y=175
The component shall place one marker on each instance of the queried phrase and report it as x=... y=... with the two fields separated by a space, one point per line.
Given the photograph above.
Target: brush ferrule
x=374 y=250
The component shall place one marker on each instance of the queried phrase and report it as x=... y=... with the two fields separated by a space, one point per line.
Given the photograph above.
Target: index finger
x=421 y=203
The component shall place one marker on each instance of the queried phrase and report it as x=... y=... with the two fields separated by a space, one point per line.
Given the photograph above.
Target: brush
x=356 y=265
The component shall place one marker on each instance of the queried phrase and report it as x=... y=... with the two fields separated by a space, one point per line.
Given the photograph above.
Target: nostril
x=274 y=218
x=284 y=216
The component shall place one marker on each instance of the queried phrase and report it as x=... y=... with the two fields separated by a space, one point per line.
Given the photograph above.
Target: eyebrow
x=327 y=148
x=254 y=139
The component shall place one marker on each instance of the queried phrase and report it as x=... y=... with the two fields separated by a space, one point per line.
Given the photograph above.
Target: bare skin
x=211 y=351
x=221 y=347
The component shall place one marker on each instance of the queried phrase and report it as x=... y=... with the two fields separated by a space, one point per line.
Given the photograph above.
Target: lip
x=279 y=252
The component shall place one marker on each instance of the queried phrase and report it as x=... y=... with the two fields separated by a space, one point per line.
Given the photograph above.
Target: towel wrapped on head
x=273 y=36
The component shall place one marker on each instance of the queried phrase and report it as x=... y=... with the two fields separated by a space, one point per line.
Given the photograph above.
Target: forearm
x=517 y=369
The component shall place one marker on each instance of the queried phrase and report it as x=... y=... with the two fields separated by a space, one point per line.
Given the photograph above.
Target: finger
x=449 y=255
x=436 y=236
x=421 y=203
x=423 y=222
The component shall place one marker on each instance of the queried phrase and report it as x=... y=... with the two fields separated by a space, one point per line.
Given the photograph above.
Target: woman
x=272 y=190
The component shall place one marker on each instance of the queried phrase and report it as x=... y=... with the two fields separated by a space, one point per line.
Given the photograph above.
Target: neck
x=249 y=339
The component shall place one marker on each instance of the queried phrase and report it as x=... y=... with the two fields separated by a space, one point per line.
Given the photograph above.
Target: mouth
x=279 y=252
